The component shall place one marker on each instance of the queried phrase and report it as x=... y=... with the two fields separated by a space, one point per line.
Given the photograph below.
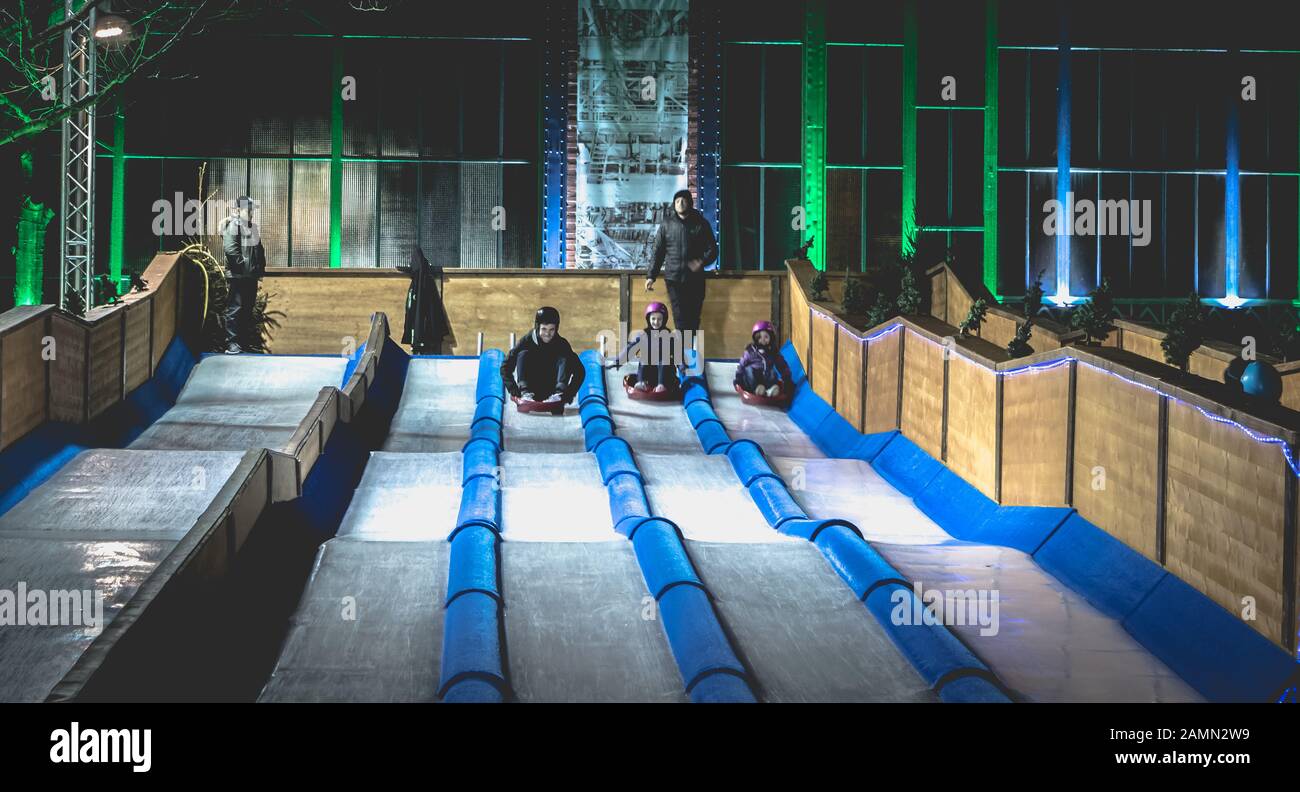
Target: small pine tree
x=855 y=295
x=1034 y=297
x=974 y=318
x=819 y=285
x=1184 y=332
x=881 y=310
x=909 y=296
x=1093 y=316
x=1019 y=344
x=1288 y=337
x=75 y=305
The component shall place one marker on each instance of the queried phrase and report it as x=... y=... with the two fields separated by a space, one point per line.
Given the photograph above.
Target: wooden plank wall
x=94 y=362
x=1224 y=522
x=972 y=423
x=1035 y=420
x=823 y=356
x=324 y=307
x=1224 y=529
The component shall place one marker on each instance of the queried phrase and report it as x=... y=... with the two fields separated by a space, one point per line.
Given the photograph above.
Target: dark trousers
x=751 y=377
x=541 y=380
x=239 y=310
x=687 y=300
x=662 y=373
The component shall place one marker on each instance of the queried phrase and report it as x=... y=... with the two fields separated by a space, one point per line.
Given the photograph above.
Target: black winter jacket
x=543 y=362
x=678 y=241
x=245 y=256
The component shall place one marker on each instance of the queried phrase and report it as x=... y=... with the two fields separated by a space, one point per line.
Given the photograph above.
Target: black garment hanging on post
x=426 y=319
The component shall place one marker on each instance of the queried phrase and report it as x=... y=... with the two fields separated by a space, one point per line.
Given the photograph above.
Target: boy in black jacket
x=543 y=366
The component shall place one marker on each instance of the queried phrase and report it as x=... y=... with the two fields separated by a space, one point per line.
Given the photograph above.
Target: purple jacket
x=764 y=359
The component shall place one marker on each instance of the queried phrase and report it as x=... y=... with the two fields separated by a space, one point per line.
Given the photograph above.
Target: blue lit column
x=555 y=121
x=1062 y=292
x=1232 y=205
x=706 y=31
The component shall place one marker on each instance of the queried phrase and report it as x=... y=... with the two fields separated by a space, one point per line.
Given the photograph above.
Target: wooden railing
x=1162 y=461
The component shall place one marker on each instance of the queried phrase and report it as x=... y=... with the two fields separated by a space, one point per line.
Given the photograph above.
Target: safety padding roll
x=1025 y=528
x=471 y=643
x=812 y=528
x=480 y=504
x=627 y=501
x=488 y=410
x=856 y=562
x=473 y=564
x=952 y=503
x=662 y=558
x=722 y=688
x=749 y=463
x=774 y=501
x=488 y=431
x=614 y=457
x=931 y=648
x=694 y=389
x=597 y=431
x=489 y=376
x=1110 y=574
x=796 y=365
x=696 y=638
x=870 y=446
x=903 y=464
x=585 y=395
x=593 y=410
x=808 y=410
x=479 y=459
x=713 y=437
x=473 y=691
x=700 y=411
x=836 y=437
x=1217 y=652
x=971 y=690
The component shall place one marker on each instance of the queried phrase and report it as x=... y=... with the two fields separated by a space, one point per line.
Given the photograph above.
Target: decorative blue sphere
x=1262 y=381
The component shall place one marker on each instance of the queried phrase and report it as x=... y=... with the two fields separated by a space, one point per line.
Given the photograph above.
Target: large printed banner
x=633 y=76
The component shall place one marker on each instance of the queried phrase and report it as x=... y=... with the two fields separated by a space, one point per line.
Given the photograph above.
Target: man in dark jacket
x=245 y=266
x=543 y=366
x=684 y=245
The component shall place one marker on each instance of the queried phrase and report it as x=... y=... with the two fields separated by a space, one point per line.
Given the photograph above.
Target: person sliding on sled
x=543 y=366
x=762 y=371
x=656 y=350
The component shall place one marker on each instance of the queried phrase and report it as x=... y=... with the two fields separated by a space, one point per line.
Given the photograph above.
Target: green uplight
x=814 y=129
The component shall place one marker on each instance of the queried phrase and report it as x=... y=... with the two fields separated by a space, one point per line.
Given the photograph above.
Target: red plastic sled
x=554 y=408
x=629 y=383
x=763 y=401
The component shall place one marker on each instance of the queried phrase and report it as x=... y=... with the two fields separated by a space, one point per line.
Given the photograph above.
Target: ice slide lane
x=427 y=583
x=1051 y=645
x=801 y=633
x=110 y=517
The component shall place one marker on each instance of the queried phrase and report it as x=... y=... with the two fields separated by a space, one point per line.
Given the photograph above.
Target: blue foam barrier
x=932 y=650
x=694 y=389
x=473 y=563
x=904 y=465
x=972 y=690
x=600 y=429
x=662 y=558
x=811 y=528
x=722 y=689
x=471 y=643
x=856 y=562
x=700 y=411
x=953 y=504
x=749 y=463
x=1025 y=528
x=489 y=376
x=351 y=366
x=836 y=437
x=479 y=458
x=488 y=410
x=1107 y=572
x=807 y=410
x=488 y=431
x=593 y=410
x=480 y=504
x=589 y=396
x=472 y=691
x=626 y=500
x=870 y=446
x=713 y=437
x=1221 y=656
x=614 y=458
x=774 y=501
x=697 y=640
x=34 y=459
x=796 y=365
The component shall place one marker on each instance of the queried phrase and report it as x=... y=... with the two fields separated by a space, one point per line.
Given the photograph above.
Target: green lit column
x=117 y=223
x=814 y=128
x=991 y=146
x=336 y=159
x=909 y=126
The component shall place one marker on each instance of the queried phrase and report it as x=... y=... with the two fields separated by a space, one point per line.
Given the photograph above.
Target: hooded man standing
x=245 y=266
x=684 y=245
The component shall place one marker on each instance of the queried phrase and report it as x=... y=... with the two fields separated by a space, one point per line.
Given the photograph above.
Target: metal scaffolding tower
x=77 y=192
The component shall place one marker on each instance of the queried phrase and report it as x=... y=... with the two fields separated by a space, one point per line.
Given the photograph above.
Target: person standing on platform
x=245 y=266
x=684 y=245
